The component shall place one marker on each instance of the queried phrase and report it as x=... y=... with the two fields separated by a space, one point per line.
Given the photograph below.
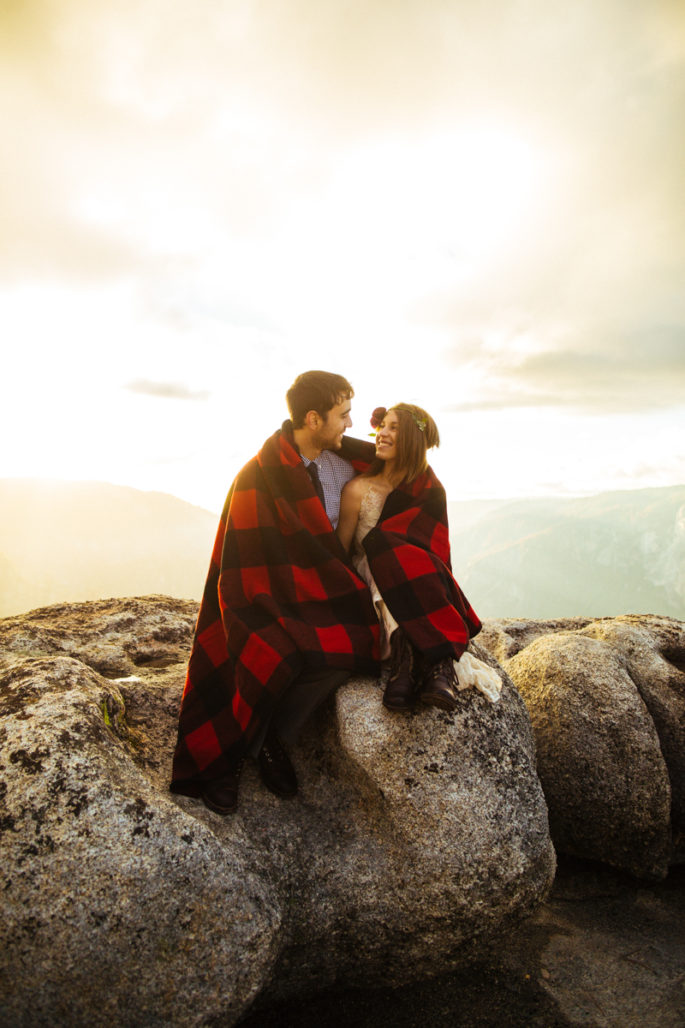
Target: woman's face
x=386 y=436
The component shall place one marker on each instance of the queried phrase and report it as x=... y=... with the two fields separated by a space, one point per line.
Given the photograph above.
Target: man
x=284 y=619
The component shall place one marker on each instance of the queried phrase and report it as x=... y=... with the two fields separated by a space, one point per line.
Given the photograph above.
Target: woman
x=394 y=518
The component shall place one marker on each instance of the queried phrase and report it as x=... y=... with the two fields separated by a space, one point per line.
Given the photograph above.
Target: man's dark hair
x=316 y=390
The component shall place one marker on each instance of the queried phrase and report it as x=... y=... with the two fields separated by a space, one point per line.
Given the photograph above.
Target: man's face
x=332 y=428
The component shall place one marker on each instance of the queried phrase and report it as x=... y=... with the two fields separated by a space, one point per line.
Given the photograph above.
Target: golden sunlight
x=463 y=193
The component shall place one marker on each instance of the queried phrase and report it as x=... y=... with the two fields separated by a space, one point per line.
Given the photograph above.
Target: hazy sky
x=473 y=206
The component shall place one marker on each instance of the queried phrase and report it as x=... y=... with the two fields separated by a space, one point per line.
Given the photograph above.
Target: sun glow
x=395 y=221
x=403 y=218
x=462 y=193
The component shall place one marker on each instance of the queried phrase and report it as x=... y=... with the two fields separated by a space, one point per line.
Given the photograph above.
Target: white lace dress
x=470 y=670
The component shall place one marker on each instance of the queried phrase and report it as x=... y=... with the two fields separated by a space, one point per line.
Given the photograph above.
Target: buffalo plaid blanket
x=280 y=598
x=409 y=555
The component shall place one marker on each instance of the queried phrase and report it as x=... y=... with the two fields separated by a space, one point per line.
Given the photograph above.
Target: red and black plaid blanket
x=280 y=598
x=409 y=556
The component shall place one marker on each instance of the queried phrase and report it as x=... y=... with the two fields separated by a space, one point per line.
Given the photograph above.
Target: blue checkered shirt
x=334 y=472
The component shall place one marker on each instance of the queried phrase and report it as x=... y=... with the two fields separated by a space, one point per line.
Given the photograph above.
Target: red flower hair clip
x=377 y=417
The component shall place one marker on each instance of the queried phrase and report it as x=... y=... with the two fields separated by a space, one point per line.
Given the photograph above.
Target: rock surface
x=603 y=951
x=607 y=703
x=413 y=846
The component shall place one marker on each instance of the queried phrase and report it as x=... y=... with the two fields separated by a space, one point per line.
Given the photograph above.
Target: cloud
x=637 y=371
x=189 y=149
x=166 y=390
x=242 y=109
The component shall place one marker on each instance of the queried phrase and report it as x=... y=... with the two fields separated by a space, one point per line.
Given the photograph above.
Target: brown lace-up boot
x=221 y=794
x=400 y=690
x=439 y=684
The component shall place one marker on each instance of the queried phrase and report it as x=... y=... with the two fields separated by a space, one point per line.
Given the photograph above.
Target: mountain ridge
x=615 y=552
x=71 y=541
x=611 y=553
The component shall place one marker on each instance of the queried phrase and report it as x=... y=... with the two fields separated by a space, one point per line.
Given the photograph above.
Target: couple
x=287 y=615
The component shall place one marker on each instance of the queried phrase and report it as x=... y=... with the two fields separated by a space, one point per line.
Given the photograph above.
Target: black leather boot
x=221 y=794
x=400 y=690
x=439 y=684
x=275 y=767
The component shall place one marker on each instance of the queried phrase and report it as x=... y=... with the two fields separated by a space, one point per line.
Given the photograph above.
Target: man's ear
x=312 y=420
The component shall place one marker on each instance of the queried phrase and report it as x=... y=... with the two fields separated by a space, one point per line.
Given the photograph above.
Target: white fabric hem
x=474 y=673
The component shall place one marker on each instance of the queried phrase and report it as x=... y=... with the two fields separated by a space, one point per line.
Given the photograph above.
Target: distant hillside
x=91 y=540
x=614 y=553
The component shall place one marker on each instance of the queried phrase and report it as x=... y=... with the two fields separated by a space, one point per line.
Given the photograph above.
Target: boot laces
x=272 y=750
x=443 y=669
